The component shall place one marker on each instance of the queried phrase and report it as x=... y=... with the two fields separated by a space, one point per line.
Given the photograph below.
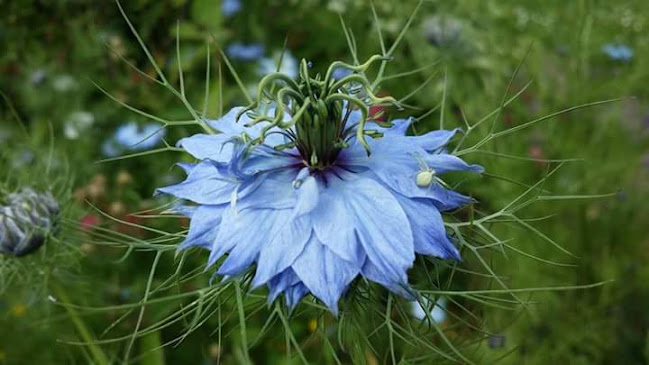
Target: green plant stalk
x=96 y=352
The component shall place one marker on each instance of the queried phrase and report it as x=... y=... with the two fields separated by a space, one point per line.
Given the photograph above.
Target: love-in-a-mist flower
x=313 y=194
x=618 y=51
x=133 y=137
x=230 y=7
x=245 y=52
x=289 y=64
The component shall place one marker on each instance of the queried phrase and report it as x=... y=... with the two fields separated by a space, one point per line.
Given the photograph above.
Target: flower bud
x=26 y=221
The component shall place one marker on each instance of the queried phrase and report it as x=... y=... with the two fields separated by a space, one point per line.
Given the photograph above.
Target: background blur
x=57 y=54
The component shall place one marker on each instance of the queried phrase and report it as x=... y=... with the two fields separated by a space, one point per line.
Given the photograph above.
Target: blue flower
x=340 y=72
x=230 y=7
x=314 y=193
x=438 y=312
x=618 y=51
x=245 y=52
x=315 y=230
x=289 y=65
x=131 y=137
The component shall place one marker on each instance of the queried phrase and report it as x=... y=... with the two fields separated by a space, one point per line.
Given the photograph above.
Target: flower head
x=442 y=31
x=421 y=310
x=132 y=137
x=230 y=7
x=288 y=67
x=618 y=51
x=315 y=194
x=25 y=221
x=245 y=52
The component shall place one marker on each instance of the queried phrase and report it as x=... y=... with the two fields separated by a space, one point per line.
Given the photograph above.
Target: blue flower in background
x=437 y=313
x=230 y=7
x=288 y=67
x=245 y=52
x=311 y=227
x=340 y=72
x=618 y=51
x=132 y=137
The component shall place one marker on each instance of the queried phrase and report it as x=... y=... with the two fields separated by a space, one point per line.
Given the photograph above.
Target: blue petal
x=375 y=274
x=381 y=226
x=444 y=162
x=208 y=146
x=428 y=229
x=399 y=127
x=332 y=223
x=184 y=209
x=204 y=185
x=294 y=294
x=396 y=164
x=275 y=191
x=283 y=246
x=444 y=199
x=264 y=158
x=229 y=126
x=243 y=235
x=434 y=140
x=325 y=274
x=187 y=167
x=203 y=226
x=245 y=52
x=307 y=190
x=280 y=283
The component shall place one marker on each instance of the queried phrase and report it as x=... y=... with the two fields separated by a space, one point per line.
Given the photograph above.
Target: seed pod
x=26 y=221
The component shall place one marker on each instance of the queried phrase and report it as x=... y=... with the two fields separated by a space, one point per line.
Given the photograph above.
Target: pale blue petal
x=283 y=245
x=326 y=275
x=381 y=226
x=264 y=158
x=281 y=283
x=444 y=199
x=332 y=223
x=275 y=191
x=375 y=274
x=203 y=226
x=242 y=235
x=307 y=191
x=187 y=167
x=294 y=294
x=230 y=127
x=204 y=185
x=444 y=162
x=428 y=229
x=208 y=146
x=434 y=140
x=399 y=127
x=184 y=209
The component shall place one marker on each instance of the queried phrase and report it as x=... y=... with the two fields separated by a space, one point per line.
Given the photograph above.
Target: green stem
x=96 y=352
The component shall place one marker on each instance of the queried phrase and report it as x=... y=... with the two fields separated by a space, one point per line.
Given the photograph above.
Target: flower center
x=315 y=113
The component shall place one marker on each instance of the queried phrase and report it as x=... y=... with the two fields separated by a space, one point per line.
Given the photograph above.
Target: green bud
x=322 y=109
x=314 y=159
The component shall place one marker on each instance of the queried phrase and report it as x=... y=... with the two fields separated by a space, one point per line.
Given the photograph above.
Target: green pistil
x=317 y=126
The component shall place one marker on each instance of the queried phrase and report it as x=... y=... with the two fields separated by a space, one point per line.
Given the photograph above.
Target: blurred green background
x=57 y=54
